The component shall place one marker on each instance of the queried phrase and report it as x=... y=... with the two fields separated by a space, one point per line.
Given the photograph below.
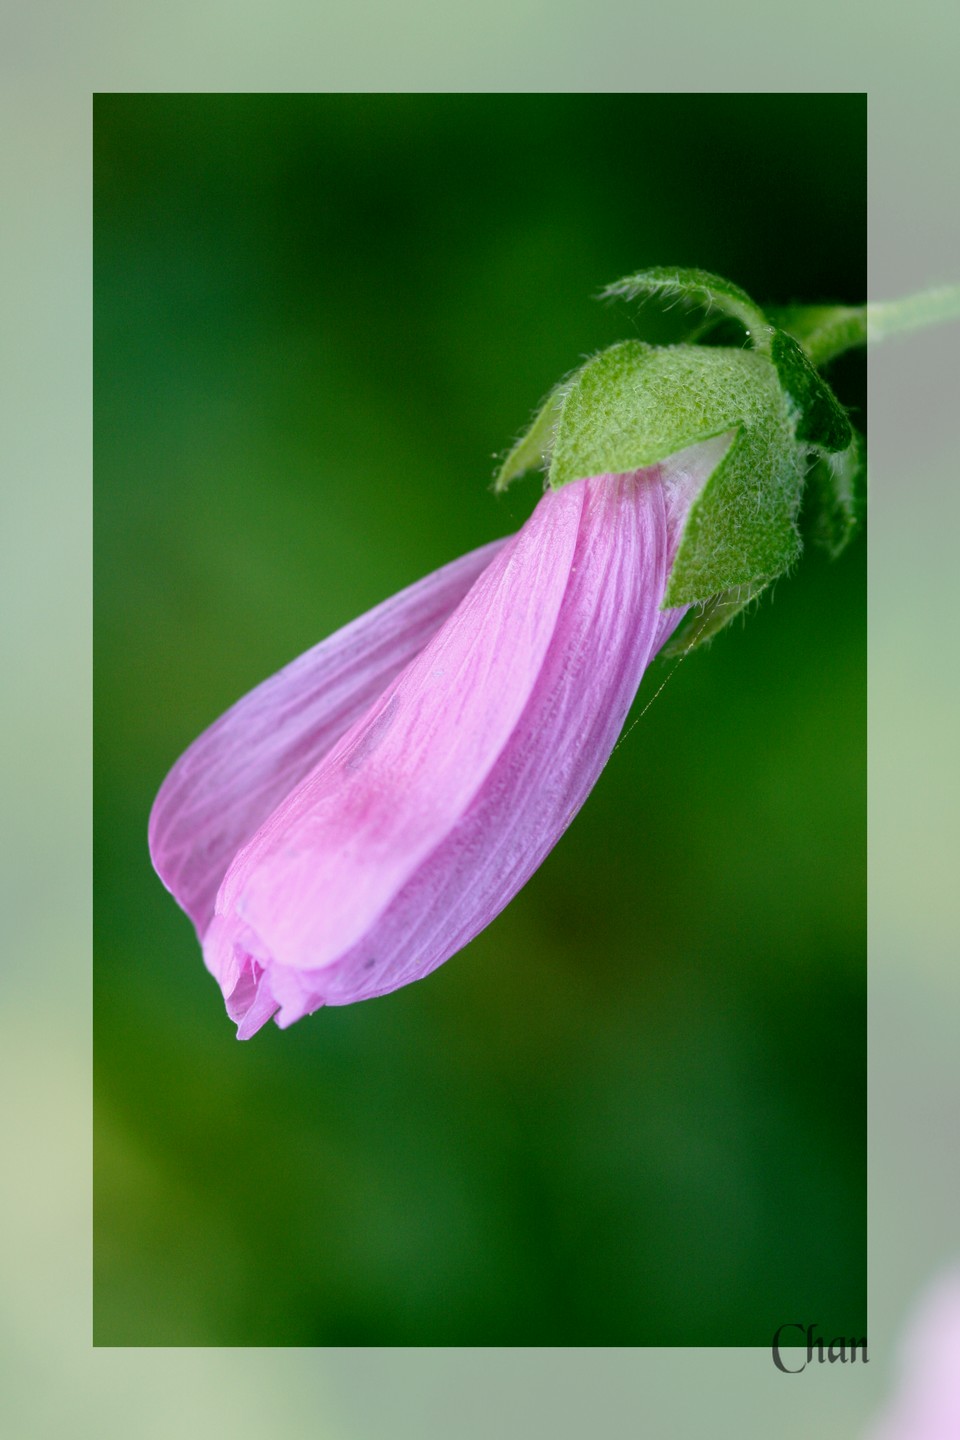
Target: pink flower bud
x=361 y=816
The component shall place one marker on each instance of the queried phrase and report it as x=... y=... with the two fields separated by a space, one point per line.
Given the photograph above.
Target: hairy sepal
x=636 y=405
x=836 y=490
x=820 y=421
x=696 y=289
x=706 y=621
x=532 y=451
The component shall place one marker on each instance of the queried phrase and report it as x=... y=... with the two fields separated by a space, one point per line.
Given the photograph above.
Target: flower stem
x=826 y=331
x=913 y=312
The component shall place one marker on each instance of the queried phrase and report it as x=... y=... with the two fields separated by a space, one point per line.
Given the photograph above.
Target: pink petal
x=337 y=850
x=435 y=808
x=600 y=648
x=927 y=1402
x=223 y=788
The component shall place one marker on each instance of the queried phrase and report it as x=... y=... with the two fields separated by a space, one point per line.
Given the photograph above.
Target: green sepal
x=836 y=487
x=696 y=288
x=821 y=420
x=635 y=405
x=532 y=450
x=711 y=618
x=824 y=331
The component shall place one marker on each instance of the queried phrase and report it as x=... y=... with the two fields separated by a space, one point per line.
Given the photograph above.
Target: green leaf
x=635 y=405
x=533 y=448
x=835 y=493
x=820 y=418
x=696 y=288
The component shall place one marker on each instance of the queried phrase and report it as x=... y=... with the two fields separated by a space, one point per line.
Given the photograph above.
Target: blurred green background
x=633 y=1111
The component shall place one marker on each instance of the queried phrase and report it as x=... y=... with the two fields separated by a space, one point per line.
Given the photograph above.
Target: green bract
x=634 y=405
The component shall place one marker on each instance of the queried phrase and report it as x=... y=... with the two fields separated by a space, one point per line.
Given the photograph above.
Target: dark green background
x=633 y=1111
